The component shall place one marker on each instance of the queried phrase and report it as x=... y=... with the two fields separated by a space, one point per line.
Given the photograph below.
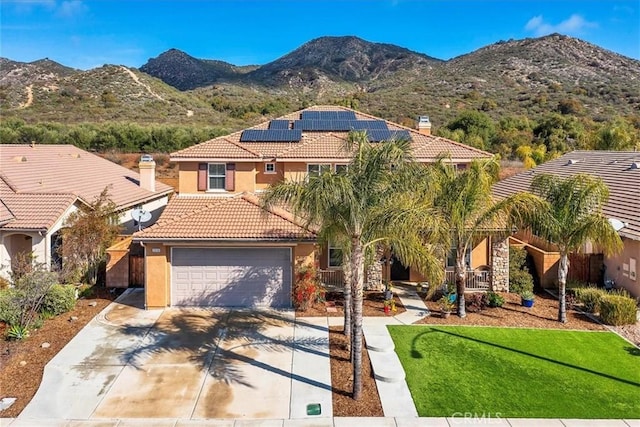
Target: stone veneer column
x=500 y=264
x=374 y=277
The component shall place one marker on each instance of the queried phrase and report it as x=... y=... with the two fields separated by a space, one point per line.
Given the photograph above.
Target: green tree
x=572 y=217
x=464 y=198
x=86 y=236
x=618 y=135
x=478 y=128
x=351 y=208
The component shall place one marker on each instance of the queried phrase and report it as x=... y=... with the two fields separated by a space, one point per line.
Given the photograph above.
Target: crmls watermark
x=476 y=418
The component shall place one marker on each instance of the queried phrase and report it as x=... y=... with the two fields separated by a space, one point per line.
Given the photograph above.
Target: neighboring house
x=620 y=170
x=215 y=245
x=41 y=185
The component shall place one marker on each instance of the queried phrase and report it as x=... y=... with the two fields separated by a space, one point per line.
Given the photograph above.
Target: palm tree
x=572 y=218
x=346 y=208
x=464 y=199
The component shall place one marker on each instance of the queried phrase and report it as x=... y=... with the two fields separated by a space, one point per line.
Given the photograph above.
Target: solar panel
x=270 y=135
x=386 y=135
x=339 y=125
x=279 y=124
x=328 y=115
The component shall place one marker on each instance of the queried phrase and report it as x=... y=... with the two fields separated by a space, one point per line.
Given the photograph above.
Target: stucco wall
x=245 y=177
x=616 y=267
x=264 y=180
x=188 y=177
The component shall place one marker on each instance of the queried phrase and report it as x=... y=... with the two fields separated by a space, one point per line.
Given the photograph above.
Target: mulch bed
x=22 y=381
x=543 y=314
x=372 y=305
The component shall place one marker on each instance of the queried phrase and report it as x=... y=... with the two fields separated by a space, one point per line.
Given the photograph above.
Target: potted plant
x=527 y=298
x=446 y=305
x=388 y=292
x=450 y=291
x=389 y=306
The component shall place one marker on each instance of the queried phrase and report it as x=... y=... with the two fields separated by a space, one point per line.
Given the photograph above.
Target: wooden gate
x=136 y=270
x=586 y=268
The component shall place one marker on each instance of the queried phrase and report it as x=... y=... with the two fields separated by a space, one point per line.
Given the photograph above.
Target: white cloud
x=71 y=9
x=574 y=25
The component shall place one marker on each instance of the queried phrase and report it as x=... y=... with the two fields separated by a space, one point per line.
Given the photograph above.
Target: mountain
x=350 y=59
x=184 y=72
x=529 y=77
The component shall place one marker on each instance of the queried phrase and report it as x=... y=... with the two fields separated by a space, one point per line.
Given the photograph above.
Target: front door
x=398 y=271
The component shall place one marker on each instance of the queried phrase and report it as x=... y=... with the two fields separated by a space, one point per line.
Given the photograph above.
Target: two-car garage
x=231 y=277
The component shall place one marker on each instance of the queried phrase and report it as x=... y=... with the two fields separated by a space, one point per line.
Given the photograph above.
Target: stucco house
x=42 y=184
x=216 y=245
x=620 y=170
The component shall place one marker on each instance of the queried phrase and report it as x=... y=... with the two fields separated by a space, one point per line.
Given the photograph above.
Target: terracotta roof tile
x=238 y=217
x=57 y=169
x=615 y=169
x=317 y=145
x=34 y=211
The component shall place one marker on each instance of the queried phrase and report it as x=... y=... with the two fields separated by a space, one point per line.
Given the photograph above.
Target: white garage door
x=231 y=277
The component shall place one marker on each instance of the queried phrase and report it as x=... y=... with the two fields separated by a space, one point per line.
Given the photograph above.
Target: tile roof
x=238 y=217
x=318 y=145
x=614 y=167
x=31 y=211
x=57 y=169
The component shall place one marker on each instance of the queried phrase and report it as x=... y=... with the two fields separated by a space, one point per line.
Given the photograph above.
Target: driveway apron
x=184 y=364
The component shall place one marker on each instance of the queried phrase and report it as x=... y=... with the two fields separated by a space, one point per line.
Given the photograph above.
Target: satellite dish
x=140 y=216
x=617 y=224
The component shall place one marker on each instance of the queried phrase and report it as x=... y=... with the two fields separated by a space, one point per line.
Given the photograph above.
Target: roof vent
x=146 y=158
x=20 y=159
x=635 y=165
x=572 y=161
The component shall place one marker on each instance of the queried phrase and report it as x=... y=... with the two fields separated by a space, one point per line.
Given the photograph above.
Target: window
x=269 y=168
x=335 y=256
x=340 y=168
x=317 y=169
x=217 y=176
x=451 y=258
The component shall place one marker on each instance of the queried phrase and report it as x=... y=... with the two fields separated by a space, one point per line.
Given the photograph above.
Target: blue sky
x=90 y=33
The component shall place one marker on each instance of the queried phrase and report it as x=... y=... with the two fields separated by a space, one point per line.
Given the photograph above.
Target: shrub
x=520 y=281
x=618 y=310
x=17 y=332
x=307 y=288
x=476 y=302
x=9 y=310
x=590 y=298
x=59 y=299
x=495 y=300
x=86 y=291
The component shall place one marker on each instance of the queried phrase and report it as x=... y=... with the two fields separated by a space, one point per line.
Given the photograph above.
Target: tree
x=478 y=128
x=86 y=236
x=349 y=207
x=572 y=217
x=464 y=198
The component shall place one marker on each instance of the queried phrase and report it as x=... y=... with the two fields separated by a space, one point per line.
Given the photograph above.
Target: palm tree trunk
x=461 y=276
x=357 y=281
x=563 y=270
x=346 y=272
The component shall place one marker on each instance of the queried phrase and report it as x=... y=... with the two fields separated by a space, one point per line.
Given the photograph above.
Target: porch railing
x=477 y=280
x=332 y=279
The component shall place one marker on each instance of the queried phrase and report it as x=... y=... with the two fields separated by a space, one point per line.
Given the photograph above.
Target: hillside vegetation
x=530 y=99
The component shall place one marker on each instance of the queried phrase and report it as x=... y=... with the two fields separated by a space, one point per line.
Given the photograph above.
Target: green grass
x=506 y=372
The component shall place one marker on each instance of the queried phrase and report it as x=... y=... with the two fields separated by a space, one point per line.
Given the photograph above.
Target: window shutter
x=202 y=176
x=230 y=177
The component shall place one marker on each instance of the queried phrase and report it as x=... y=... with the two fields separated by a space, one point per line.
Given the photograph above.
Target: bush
x=59 y=299
x=520 y=281
x=495 y=300
x=307 y=288
x=86 y=291
x=618 y=310
x=590 y=297
x=476 y=302
x=9 y=310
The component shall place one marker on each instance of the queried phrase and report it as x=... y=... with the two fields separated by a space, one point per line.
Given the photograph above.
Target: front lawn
x=509 y=372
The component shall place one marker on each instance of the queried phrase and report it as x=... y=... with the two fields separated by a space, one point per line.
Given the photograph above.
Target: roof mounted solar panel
x=309 y=125
x=386 y=135
x=270 y=135
x=328 y=115
x=279 y=124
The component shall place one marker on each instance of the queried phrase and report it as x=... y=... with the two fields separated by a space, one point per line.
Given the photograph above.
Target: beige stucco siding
x=619 y=267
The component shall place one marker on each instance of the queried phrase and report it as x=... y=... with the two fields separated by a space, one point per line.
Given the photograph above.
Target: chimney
x=147 y=172
x=424 y=125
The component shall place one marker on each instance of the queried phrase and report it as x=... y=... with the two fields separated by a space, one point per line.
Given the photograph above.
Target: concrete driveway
x=187 y=364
